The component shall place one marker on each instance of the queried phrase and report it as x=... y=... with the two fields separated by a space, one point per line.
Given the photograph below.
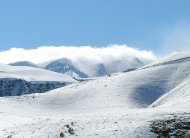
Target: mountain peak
x=65 y=66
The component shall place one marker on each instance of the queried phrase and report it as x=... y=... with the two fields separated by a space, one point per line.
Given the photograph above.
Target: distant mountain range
x=67 y=66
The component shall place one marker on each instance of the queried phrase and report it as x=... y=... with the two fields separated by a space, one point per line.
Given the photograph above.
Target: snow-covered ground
x=120 y=106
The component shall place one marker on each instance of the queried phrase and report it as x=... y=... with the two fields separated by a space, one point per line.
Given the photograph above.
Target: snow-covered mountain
x=85 y=70
x=32 y=74
x=99 y=70
x=64 y=66
x=122 y=105
x=123 y=65
x=19 y=80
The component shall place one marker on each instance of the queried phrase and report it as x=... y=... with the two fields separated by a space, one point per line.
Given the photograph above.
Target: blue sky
x=143 y=24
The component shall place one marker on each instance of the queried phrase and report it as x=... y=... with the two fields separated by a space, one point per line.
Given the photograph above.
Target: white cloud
x=115 y=57
x=86 y=54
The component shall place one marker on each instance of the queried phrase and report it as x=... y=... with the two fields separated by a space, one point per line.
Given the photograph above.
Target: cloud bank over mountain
x=88 y=54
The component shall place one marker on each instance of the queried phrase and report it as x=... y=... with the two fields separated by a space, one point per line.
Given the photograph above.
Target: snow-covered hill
x=178 y=97
x=32 y=74
x=19 y=80
x=24 y=63
x=122 y=105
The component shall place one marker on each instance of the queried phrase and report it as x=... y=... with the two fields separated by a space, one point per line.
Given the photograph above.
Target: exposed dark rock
x=17 y=87
x=62 y=135
x=71 y=131
x=178 y=127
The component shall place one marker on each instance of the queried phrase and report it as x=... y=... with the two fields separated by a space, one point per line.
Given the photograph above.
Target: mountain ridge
x=67 y=66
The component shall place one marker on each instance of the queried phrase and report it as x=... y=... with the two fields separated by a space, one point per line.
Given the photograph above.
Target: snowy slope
x=136 y=89
x=176 y=55
x=178 y=97
x=118 y=106
x=172 y=58
x=32 y=74
x=19 y=80
x=24 y=63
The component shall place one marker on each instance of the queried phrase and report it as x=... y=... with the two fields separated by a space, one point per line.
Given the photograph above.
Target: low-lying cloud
x=89 y=54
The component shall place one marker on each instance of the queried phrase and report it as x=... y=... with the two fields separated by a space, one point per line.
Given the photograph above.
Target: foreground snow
x=122 y=105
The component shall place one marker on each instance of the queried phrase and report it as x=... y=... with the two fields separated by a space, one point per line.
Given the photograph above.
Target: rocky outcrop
x=17 y=87
x=176 y=127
